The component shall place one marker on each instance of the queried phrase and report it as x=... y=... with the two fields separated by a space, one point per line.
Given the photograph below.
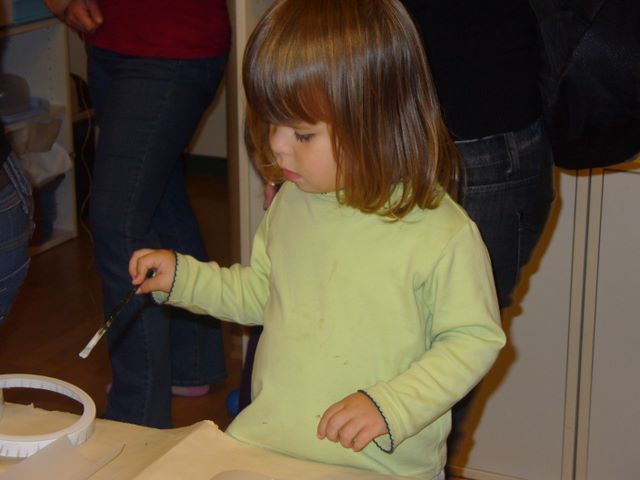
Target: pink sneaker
x=196 y=391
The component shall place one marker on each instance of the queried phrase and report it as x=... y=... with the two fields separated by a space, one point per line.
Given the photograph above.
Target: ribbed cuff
x=391 y=441
x=161 y=297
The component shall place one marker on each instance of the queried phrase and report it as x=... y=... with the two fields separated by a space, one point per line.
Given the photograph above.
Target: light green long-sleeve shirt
x=405 y=310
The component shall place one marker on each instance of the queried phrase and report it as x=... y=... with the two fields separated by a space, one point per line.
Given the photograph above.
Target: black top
x=485 y=60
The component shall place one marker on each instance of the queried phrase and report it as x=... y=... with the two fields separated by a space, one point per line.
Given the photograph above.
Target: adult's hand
x=84 y=16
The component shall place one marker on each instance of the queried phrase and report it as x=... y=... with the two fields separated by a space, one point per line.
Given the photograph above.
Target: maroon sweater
x=164 y=28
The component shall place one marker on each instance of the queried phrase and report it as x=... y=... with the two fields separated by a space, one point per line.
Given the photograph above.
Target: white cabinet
x=561 y=402
x=38 y=52
x=609 y=415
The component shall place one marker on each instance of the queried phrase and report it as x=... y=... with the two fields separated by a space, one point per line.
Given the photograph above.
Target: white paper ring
x=78 y=432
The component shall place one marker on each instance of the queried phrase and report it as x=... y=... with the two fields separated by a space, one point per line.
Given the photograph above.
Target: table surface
x=200 y=451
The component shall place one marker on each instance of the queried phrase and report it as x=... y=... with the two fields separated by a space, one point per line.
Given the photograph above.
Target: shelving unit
x=38 y=52
x=54 y=111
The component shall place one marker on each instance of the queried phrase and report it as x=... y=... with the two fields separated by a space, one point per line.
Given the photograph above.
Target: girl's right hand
x=162 y=262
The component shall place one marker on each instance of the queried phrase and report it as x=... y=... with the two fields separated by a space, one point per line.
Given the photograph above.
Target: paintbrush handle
x=107 y=323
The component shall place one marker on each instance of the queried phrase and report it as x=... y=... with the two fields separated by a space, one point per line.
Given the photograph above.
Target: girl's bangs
x=286 y=71
x=287 y=97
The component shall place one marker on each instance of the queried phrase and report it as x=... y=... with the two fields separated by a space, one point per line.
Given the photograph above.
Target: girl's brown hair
x=358 y=66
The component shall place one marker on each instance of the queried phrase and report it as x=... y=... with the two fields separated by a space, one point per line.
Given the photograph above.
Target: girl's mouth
x=289 y=175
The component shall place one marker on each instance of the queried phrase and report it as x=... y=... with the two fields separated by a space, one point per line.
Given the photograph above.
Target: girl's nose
x=278 y=140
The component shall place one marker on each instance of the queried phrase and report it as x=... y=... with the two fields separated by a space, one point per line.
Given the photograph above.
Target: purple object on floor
x=197 y=391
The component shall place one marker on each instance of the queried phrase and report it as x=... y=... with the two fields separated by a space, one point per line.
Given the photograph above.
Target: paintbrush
x=107 y=323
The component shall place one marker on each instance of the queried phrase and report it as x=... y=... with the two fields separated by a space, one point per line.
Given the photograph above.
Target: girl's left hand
x=353 y=421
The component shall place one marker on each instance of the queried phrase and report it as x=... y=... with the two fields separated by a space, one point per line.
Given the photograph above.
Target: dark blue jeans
x=508 y=194
x=16 y=226
x=147 y=110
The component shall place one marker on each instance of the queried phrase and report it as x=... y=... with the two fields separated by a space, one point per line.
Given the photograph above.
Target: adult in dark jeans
x=485 y=60
x=153 y=69
x=16 y=226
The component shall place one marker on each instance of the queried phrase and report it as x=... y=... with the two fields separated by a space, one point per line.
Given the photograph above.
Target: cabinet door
x=516 y=428
x=608 y=443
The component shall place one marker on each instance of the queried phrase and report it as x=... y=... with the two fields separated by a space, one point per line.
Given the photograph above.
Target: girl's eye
x=303 y=137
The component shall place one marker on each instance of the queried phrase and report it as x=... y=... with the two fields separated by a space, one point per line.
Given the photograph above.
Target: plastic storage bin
x=33 y=129
x=46 y=171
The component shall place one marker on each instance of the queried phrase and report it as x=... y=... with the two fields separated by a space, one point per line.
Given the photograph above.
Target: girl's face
x=305 y=155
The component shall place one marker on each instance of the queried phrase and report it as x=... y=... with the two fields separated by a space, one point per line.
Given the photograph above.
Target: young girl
x=373 y=286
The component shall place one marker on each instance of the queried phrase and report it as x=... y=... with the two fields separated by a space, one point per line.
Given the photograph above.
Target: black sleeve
x=5 y=147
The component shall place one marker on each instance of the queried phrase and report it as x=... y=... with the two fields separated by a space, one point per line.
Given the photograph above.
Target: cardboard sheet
x=200 y=451
x=59 y=460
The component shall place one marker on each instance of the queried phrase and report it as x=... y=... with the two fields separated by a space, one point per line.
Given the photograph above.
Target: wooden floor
x=59 y=309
